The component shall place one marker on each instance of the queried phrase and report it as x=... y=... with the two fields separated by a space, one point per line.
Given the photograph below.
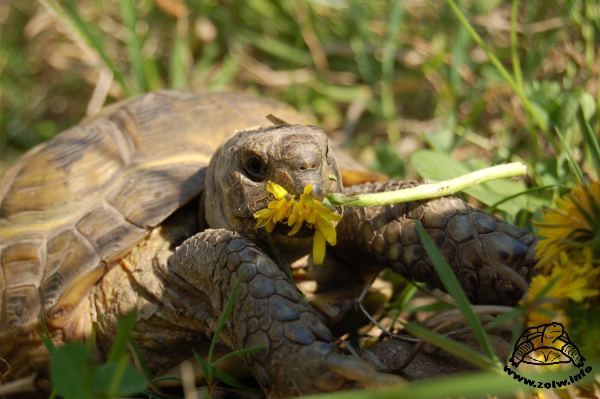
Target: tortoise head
x=236 y=181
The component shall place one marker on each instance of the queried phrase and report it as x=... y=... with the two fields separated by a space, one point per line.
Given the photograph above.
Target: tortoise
x=546 y=344
x=148 y=206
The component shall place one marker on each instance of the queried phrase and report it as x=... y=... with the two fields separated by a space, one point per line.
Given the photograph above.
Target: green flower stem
x=430 y=190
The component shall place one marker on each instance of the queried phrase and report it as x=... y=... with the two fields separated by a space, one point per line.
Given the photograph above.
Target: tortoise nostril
x=305 y=167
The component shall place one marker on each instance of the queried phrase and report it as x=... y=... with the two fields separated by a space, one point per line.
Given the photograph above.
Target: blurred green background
x=385 y=78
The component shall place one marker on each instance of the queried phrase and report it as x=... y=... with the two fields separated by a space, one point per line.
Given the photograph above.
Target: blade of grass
x=537 y=118
x=231 y=381
x=45 y=337
x=71 y=19
x=210 y=52
x=454 y=288
x=388 y=103
x=134 y=44
x=358 y=42
x=276 y=48
x=591 y=140
x=430 y=307
x=469 y=385
x=406 y=295
x=178 y=65
x=221 y=323
x=575 y=169
x=226 y=72
x=514 y=49
x=166 y=378
x=345 y=94
x=207 y=369
x=243 y=351
x=512 y=315
x=460 y=55
x=451 y=346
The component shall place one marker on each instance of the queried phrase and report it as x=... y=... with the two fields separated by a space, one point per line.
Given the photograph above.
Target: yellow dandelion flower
x=574 y=223
x=277 y=209
x=315 y=214
x=570 y=279
x=306 y=210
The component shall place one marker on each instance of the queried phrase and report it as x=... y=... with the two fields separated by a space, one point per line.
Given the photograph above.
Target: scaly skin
x=299 y=356
x=492 y=259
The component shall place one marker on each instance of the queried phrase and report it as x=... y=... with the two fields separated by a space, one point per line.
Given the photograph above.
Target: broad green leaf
x=441 y=140
x=387 y=161
x=124 y=327
x=70 y=368
x=131 y=380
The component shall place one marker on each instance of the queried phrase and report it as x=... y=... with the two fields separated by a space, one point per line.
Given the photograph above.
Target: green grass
x=212 y=373
x=77 y=373
x=414 y=89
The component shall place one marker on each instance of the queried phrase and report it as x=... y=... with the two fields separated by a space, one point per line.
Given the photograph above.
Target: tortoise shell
x=72 y=207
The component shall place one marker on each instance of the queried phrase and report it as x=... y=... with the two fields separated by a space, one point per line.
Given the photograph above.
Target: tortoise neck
x=201 y=215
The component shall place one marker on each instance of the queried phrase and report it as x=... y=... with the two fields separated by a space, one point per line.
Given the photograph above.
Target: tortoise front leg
x=492 y=259
x=269 y=312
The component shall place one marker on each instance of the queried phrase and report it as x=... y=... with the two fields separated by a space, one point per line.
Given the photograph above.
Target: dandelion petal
x=318 y=248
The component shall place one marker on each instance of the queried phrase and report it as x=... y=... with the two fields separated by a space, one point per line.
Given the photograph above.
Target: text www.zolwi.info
x=548 y=385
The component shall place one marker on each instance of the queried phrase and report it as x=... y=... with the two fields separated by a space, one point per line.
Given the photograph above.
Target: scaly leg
x=299 y=356
x=492 y=259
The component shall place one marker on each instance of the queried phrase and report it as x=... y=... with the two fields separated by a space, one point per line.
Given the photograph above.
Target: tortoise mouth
x=283 y=229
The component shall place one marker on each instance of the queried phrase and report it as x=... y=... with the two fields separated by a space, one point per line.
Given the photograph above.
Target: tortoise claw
x=359 y=371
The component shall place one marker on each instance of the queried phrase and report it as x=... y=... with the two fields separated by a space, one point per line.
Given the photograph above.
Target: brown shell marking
x=71 y=207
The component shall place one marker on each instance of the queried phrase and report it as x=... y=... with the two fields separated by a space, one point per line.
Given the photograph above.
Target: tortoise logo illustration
x=544 y=345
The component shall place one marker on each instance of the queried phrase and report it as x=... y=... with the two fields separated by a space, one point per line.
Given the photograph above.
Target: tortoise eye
x=255 y=169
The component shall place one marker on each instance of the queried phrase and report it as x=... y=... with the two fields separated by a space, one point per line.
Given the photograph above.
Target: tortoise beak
x=317 y=182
